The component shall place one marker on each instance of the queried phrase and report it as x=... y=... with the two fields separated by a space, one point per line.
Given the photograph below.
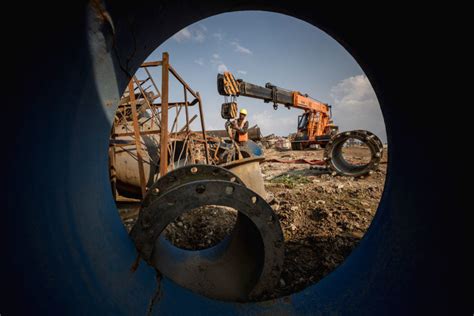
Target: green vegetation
x=290 y=181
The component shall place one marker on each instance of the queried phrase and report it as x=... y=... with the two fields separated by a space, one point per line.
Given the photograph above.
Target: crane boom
x=314 y=125
x=227 y=85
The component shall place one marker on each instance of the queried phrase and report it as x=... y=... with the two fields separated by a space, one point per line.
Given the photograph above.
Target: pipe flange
x=246 y=264
x=339 y=166
x=187 y=174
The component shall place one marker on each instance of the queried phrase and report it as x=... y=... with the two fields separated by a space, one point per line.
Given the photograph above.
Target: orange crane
x=315 y=125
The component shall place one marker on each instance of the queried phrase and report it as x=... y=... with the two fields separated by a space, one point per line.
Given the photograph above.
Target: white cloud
x=219 y=36
x=182 y=35
x=269 y=123
x=199 y=61
x=216 y=61
x=356 y=106
x=194 y=33
x=221 y=68
x=353 y=91
x=241 y=49
x=199 y=36
x=242 y=72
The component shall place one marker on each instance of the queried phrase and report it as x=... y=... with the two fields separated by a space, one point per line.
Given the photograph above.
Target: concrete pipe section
x=243 y=266
x=64 y=248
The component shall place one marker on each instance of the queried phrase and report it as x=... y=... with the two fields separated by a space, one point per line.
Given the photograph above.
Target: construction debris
x=322 y=217
x=278 y=142
x=272 y=234
x=152 y=135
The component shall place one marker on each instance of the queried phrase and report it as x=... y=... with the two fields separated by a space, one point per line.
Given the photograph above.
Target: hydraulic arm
x=314 y=126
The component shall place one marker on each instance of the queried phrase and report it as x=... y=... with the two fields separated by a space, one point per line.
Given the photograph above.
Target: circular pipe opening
x=202 y=227
x=347 y=229
x=405 y=219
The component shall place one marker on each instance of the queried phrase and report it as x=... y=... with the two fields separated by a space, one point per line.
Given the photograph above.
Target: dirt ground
x=322 y=217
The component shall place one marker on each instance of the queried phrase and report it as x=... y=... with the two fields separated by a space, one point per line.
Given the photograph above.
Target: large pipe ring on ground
x=244 y=265
x=338 y=165
x=171 y=180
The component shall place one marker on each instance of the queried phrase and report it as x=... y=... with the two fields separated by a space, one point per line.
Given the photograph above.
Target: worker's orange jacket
x=241 y=134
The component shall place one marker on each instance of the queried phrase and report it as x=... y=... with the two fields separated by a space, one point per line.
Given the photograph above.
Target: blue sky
x=261 y=47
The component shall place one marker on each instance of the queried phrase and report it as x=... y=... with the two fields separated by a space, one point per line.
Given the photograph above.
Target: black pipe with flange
x=243 y=266
x=337 y=165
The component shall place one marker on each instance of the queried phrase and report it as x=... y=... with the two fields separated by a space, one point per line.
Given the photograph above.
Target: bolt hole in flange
x=322 y=217
x=200 y=189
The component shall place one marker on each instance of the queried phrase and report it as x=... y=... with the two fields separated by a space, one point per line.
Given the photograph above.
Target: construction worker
x=241 y=125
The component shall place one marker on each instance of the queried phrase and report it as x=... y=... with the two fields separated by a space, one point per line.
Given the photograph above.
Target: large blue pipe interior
x=65 y=248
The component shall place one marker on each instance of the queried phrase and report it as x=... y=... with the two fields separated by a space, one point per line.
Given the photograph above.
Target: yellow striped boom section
x=233 y=109
x=231 y=86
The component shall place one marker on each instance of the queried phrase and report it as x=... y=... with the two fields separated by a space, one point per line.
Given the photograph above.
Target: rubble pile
x=276 y=142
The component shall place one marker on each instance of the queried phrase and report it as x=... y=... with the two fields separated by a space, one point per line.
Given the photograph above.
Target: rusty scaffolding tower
x=145 y=111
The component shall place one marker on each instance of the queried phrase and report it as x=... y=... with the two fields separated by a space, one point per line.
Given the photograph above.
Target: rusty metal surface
x=164 y=116
x=244 y=265
x=203 y=128
x=187 y=174
x=248 y=169
x=124 y=164
x=154 y=144
x=153 y=148
x=138 y=144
